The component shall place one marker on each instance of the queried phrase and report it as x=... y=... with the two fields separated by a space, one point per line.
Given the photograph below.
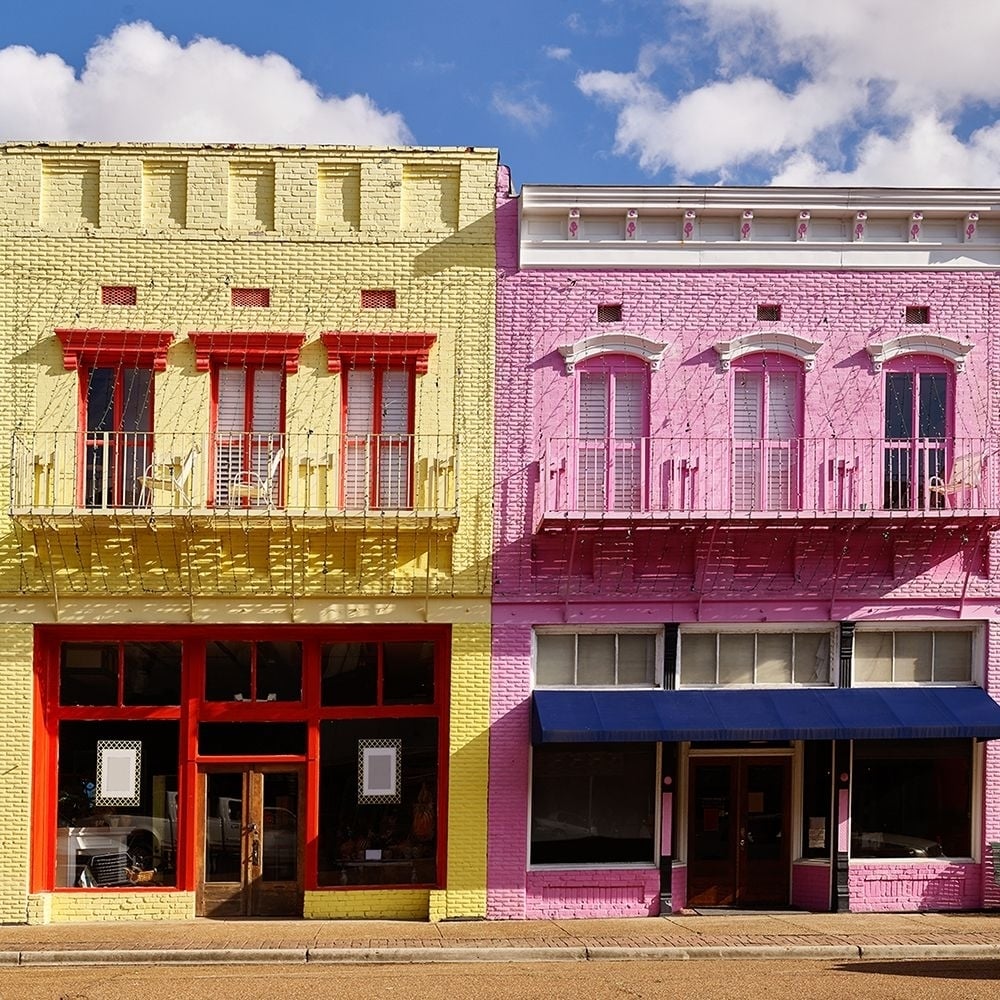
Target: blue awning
x=591 y=716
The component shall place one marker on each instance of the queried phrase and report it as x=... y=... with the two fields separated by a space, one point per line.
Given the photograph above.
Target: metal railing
x=626 y=476
x=306 y=473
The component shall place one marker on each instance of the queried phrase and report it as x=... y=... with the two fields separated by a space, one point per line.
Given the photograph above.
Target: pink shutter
x=628 y=432
x=592 y=447
x=748 y=402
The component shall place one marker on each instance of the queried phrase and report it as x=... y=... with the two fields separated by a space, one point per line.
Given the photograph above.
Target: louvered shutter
x=592 y=451
x=748 y=400
x=629 y=429
x=782 y=445
x=359 y=425
x=266 y=439
x=230 y=421
x=394 y=442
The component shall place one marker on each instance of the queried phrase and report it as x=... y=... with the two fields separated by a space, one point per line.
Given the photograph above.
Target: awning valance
x=606 y=716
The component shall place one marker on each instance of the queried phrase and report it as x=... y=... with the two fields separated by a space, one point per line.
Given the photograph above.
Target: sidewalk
x=731 y=935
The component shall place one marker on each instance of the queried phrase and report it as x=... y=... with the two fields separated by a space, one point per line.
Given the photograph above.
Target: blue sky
x=890 y=92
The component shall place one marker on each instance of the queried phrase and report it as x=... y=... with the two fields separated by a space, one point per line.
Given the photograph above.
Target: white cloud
x=789 y=86
x=139 y=84
x=527 y=110
x=557 y=52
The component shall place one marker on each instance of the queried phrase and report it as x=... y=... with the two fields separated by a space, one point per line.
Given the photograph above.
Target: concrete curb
x=462 y=955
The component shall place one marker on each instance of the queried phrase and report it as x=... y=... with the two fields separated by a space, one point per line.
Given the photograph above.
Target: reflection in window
x=101 y=846
x=378 y=843
x=369 y=673
x=111 y=673
x=253 y=671
x=912 y=799
x=593 y=805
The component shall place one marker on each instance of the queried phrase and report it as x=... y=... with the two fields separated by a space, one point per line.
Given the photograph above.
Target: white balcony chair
x=169 y=476
x=966 y=475
x=258 y=488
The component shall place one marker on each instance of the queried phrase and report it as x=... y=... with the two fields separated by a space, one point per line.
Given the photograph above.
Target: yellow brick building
x=245 y=576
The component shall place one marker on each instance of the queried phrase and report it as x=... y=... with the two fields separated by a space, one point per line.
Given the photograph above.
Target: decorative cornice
x=279 y=350
x=112 y=347
x=632 y=344
x=934 y=344
x=791 y=344
x=397 y=348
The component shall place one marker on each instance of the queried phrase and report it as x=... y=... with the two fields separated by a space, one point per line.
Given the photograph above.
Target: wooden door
x=738 y=832
x=250 y=831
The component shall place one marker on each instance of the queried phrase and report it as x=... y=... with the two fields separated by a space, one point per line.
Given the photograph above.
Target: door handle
x=255 y=852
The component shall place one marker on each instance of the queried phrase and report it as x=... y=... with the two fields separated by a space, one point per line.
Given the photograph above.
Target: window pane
x=593 y=805
x=388 y=843
x=595 y=659
x=912 y=660
x=953 y=657
x=96 y=846
x=227 y=671
x=350 y=673
x=774 y=658
x=554 y=659
x=88 y=674
x=873 y=657
x=812 y=658
x=279 y=671
x=736 y=655
x=408 y=673
x=152 y=673
x=636 y=659
x=698 y=653
x=101 y=400
x=899 y=405
x=816 y=798
x=911 y=799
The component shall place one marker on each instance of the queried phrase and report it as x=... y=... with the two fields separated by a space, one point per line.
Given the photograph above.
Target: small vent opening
x=611 y=313
x=918 y=314
x=769 y=312
x=118 y=295
x=259 y=298
x=378 y=298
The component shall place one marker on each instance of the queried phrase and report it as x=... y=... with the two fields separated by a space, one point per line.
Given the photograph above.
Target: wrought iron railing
x=625 y=476
x=307 y=473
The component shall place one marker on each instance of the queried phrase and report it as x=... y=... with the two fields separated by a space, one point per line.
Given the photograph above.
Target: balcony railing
x=684 y=477
x=308 y=473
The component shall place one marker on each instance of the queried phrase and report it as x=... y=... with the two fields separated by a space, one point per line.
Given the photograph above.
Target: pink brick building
x=745 y=646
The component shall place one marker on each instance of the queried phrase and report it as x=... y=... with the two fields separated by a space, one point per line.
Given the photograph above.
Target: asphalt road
x=941 y=979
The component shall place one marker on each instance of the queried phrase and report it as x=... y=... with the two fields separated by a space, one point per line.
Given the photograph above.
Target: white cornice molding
x=778 y=341
x=632 y=344
x=919 y=343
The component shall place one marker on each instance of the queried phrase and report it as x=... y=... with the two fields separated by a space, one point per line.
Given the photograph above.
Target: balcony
x=650 y=479
x=410 y=478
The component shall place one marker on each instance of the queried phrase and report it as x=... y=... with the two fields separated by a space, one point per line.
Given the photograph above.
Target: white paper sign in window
x=379 y=772
x=119 y=767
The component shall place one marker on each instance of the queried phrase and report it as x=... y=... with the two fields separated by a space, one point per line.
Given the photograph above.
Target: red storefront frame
x=194 y=709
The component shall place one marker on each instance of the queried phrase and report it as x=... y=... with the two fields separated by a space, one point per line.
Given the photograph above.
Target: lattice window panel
x=917 y=315
x=768 y=313
x=611 y=313
x=118 y=295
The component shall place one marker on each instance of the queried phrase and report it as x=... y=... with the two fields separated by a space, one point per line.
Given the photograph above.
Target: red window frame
x=194 y=709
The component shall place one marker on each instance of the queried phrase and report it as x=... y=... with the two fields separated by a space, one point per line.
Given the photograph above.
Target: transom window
x=614 y=659
x=766 y=658
x=943 y=657
x=253 y=671
x=120 y=673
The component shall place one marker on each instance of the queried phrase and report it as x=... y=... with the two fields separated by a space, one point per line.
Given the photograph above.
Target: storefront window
x=817 y=792
x=912 y=799
x=120 y=673
x=253 y=671
x=943 y=657
x=603 y=659
x=593 y=804
x=115 y=839
x=378 y=820
x=743 y=658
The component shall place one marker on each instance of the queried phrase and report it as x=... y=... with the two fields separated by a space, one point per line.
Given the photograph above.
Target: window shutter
x=591 y=480
x=394 y=446
x=230 y=417
x=630 y=405
x=747 y=400
x=266 y=418
x=359 y=426
x=783 y=406
x=593 y=405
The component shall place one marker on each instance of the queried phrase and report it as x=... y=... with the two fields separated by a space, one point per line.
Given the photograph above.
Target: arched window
x=767 y=432
x=918 y=429
x=612 y=434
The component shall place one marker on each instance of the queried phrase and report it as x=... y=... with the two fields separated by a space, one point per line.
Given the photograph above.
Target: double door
x=738 y=831
x=251 y=844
